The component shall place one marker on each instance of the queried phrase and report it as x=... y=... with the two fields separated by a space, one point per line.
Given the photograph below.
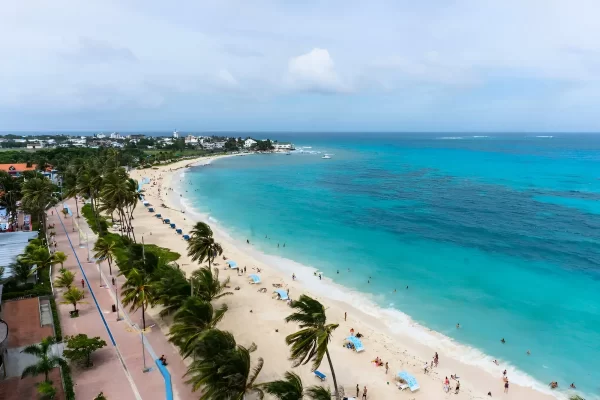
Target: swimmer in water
x=503 y=341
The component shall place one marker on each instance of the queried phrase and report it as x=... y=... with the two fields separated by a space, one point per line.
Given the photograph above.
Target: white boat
x=326 y=156
x=288 y=154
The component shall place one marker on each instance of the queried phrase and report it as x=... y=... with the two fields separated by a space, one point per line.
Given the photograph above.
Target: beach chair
x=320 y=375
x=179 y=231
x=158 y=215
x=173 y=226
x=410 y=380
x=255 y=278
x=186 y=237
x=232 y=264
x=151 y=209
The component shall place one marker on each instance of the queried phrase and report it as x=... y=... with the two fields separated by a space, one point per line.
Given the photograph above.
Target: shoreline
x=392 y=342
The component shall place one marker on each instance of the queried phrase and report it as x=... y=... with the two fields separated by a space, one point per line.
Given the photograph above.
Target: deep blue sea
x=500 y=234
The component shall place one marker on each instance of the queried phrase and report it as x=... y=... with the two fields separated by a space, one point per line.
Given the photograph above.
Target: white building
x=100 y=135
x=190 y=139
x=249 y=143
x=219 y=145
x=115 y=135
x=175 y=134
x=283 y=146
x=35 y=145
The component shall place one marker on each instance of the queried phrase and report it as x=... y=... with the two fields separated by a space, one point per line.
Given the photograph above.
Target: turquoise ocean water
x=500 y=234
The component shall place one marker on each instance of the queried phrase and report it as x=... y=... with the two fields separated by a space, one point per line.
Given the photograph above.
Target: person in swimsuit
x=506 y=387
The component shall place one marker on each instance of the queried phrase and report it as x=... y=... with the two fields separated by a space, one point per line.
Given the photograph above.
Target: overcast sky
x=300 y=65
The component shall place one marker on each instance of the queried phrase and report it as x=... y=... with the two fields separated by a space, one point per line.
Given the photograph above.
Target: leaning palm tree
x=228 y=375
x=73 y=296
x=65 y=279
x=311 y=341
x=138 y=292
x=289 y=388
x=59 y=258
x=206 y=284
x=204 y=248
x=318 y=393
x=105 y=250
x=46 y=363
x=171 y=289
x=37 y=198
x=201 y=230
x=193 y=318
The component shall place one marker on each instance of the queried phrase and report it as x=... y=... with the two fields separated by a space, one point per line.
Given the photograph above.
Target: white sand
x=403 y=348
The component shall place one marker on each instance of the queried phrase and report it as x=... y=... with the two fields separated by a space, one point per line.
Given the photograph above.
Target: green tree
x=206 y=284
x=201 y=230
x=21 y=270
x=46 y=362
x=193 y=318
x=46 y=390
x=38 y=256
x=65 y=279
x=100 y=396
x=80 y=348
x=318 y=393
x=73 y=296
x=171 y=288
x=59 y=258
x=138 y=292
x=10 y=194
x=37 y=198
x=204 y=248
x=105 y=250
x=311 y=341
x=289 y=388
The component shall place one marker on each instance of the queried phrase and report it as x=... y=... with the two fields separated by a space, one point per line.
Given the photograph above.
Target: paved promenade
x=118 y=368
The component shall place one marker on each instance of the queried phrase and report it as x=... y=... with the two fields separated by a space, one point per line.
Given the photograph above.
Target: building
x=136 y=137
x=35 y=145
x=249 y=143
x=115 y=135
x=17 y=169
x=285 y=146
x=100 y=135
x=190 y=139
x=176 y=134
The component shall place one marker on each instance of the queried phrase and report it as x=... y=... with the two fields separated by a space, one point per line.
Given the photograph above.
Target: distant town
x=176 y=141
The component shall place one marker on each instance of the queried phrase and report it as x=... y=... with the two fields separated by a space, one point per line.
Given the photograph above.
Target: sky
x=300 y=65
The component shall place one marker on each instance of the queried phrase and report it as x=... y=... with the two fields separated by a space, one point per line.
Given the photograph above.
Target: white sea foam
x=481 y=136
x=547 y=137
x=450 y=138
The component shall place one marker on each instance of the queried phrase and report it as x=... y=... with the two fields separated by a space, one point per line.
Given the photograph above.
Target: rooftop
x=17 y=167
x=24 y=322
x=13 y=244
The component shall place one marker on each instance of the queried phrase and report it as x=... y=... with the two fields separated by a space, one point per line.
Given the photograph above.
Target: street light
x=117 y=300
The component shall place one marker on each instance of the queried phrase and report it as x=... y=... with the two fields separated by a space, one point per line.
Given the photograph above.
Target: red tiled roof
x=17 y=167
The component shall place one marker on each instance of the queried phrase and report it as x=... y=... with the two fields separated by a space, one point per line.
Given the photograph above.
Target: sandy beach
x=257 y=317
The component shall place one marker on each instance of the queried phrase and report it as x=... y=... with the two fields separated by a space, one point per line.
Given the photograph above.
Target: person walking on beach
x=386 y=368
x=345 y=315
x=357 y=390
x=457 y=387
x=506 y=387
x=319 y=276
x=365 y=393
x=82 y=283
x=293 y=276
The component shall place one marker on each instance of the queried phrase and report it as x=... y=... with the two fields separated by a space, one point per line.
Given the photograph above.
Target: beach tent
x=151 y=209
x=173 y=226
x=282 y=294
x=410 y=380
x=158 y=215
x=166 y=221
x=186 y=237
x=232 y=264
x=358 y=346
x=255 y=278
x=178 y=231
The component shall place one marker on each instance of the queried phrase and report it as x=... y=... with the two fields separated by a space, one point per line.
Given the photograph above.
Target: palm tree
x=204 y=248
x=20 y=270
x=201 y=230
x=138 y=292
x=226 y=375
x=37 y=198
x=171 y=289
x=38 y=256
x=310 y=342
x=105 y=250
x=47 y=362
x=10 y=194
x=318 y=393
x=206 y=284
x=46 y=390
x=193 y=318
x=289 y=388
x=59 y=258
x=65 y=279
x=73 y=296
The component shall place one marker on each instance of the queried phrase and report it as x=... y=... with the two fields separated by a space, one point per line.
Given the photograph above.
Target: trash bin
x=114 y=308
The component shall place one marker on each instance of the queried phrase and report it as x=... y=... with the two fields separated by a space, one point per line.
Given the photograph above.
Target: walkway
x=117 y=378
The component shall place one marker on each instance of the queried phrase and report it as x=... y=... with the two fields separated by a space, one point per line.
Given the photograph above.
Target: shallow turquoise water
x=500 y=234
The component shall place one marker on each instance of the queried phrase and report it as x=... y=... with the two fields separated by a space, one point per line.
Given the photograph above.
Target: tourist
x=364 y=396
x=386 y=368
x=506 y=387
x=82 y=283
x=345 y=315
x=357 y=390
x=457 y=387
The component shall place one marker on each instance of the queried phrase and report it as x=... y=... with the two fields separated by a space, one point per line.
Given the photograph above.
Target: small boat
x=326 y=156
x=288 y=154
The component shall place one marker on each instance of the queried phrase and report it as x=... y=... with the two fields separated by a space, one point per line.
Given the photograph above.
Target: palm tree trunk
x=335 y=385
x=109 y=266
x=77 y=206
x=144 y=318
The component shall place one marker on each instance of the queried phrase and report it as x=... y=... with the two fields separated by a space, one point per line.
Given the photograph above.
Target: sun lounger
x=166 y=221
x=410 y=380
x=282 y=294
x=186 y=237
x=232 y=264
x=173 y=226
x=158 y=215
x=358 y=346
x=255 y=278
x=320 y=375
x=151 y=209
x=179 y=231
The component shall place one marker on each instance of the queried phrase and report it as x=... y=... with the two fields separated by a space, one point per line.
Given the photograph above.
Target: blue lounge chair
x=255 y=278
x=410 y=380
x=320 y=375
x=358 y=346
x=173 y=226
x=151 y=209
x=232 y=264
x=186 y=237
x=166 y=221
x=178 y=231
x=158 y=215
x=282 y=294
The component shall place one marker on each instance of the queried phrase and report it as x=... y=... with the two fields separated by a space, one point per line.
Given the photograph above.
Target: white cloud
x=315 y=71
x=226 y=78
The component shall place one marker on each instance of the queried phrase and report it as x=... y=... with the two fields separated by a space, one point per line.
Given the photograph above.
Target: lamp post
x=117 y=301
